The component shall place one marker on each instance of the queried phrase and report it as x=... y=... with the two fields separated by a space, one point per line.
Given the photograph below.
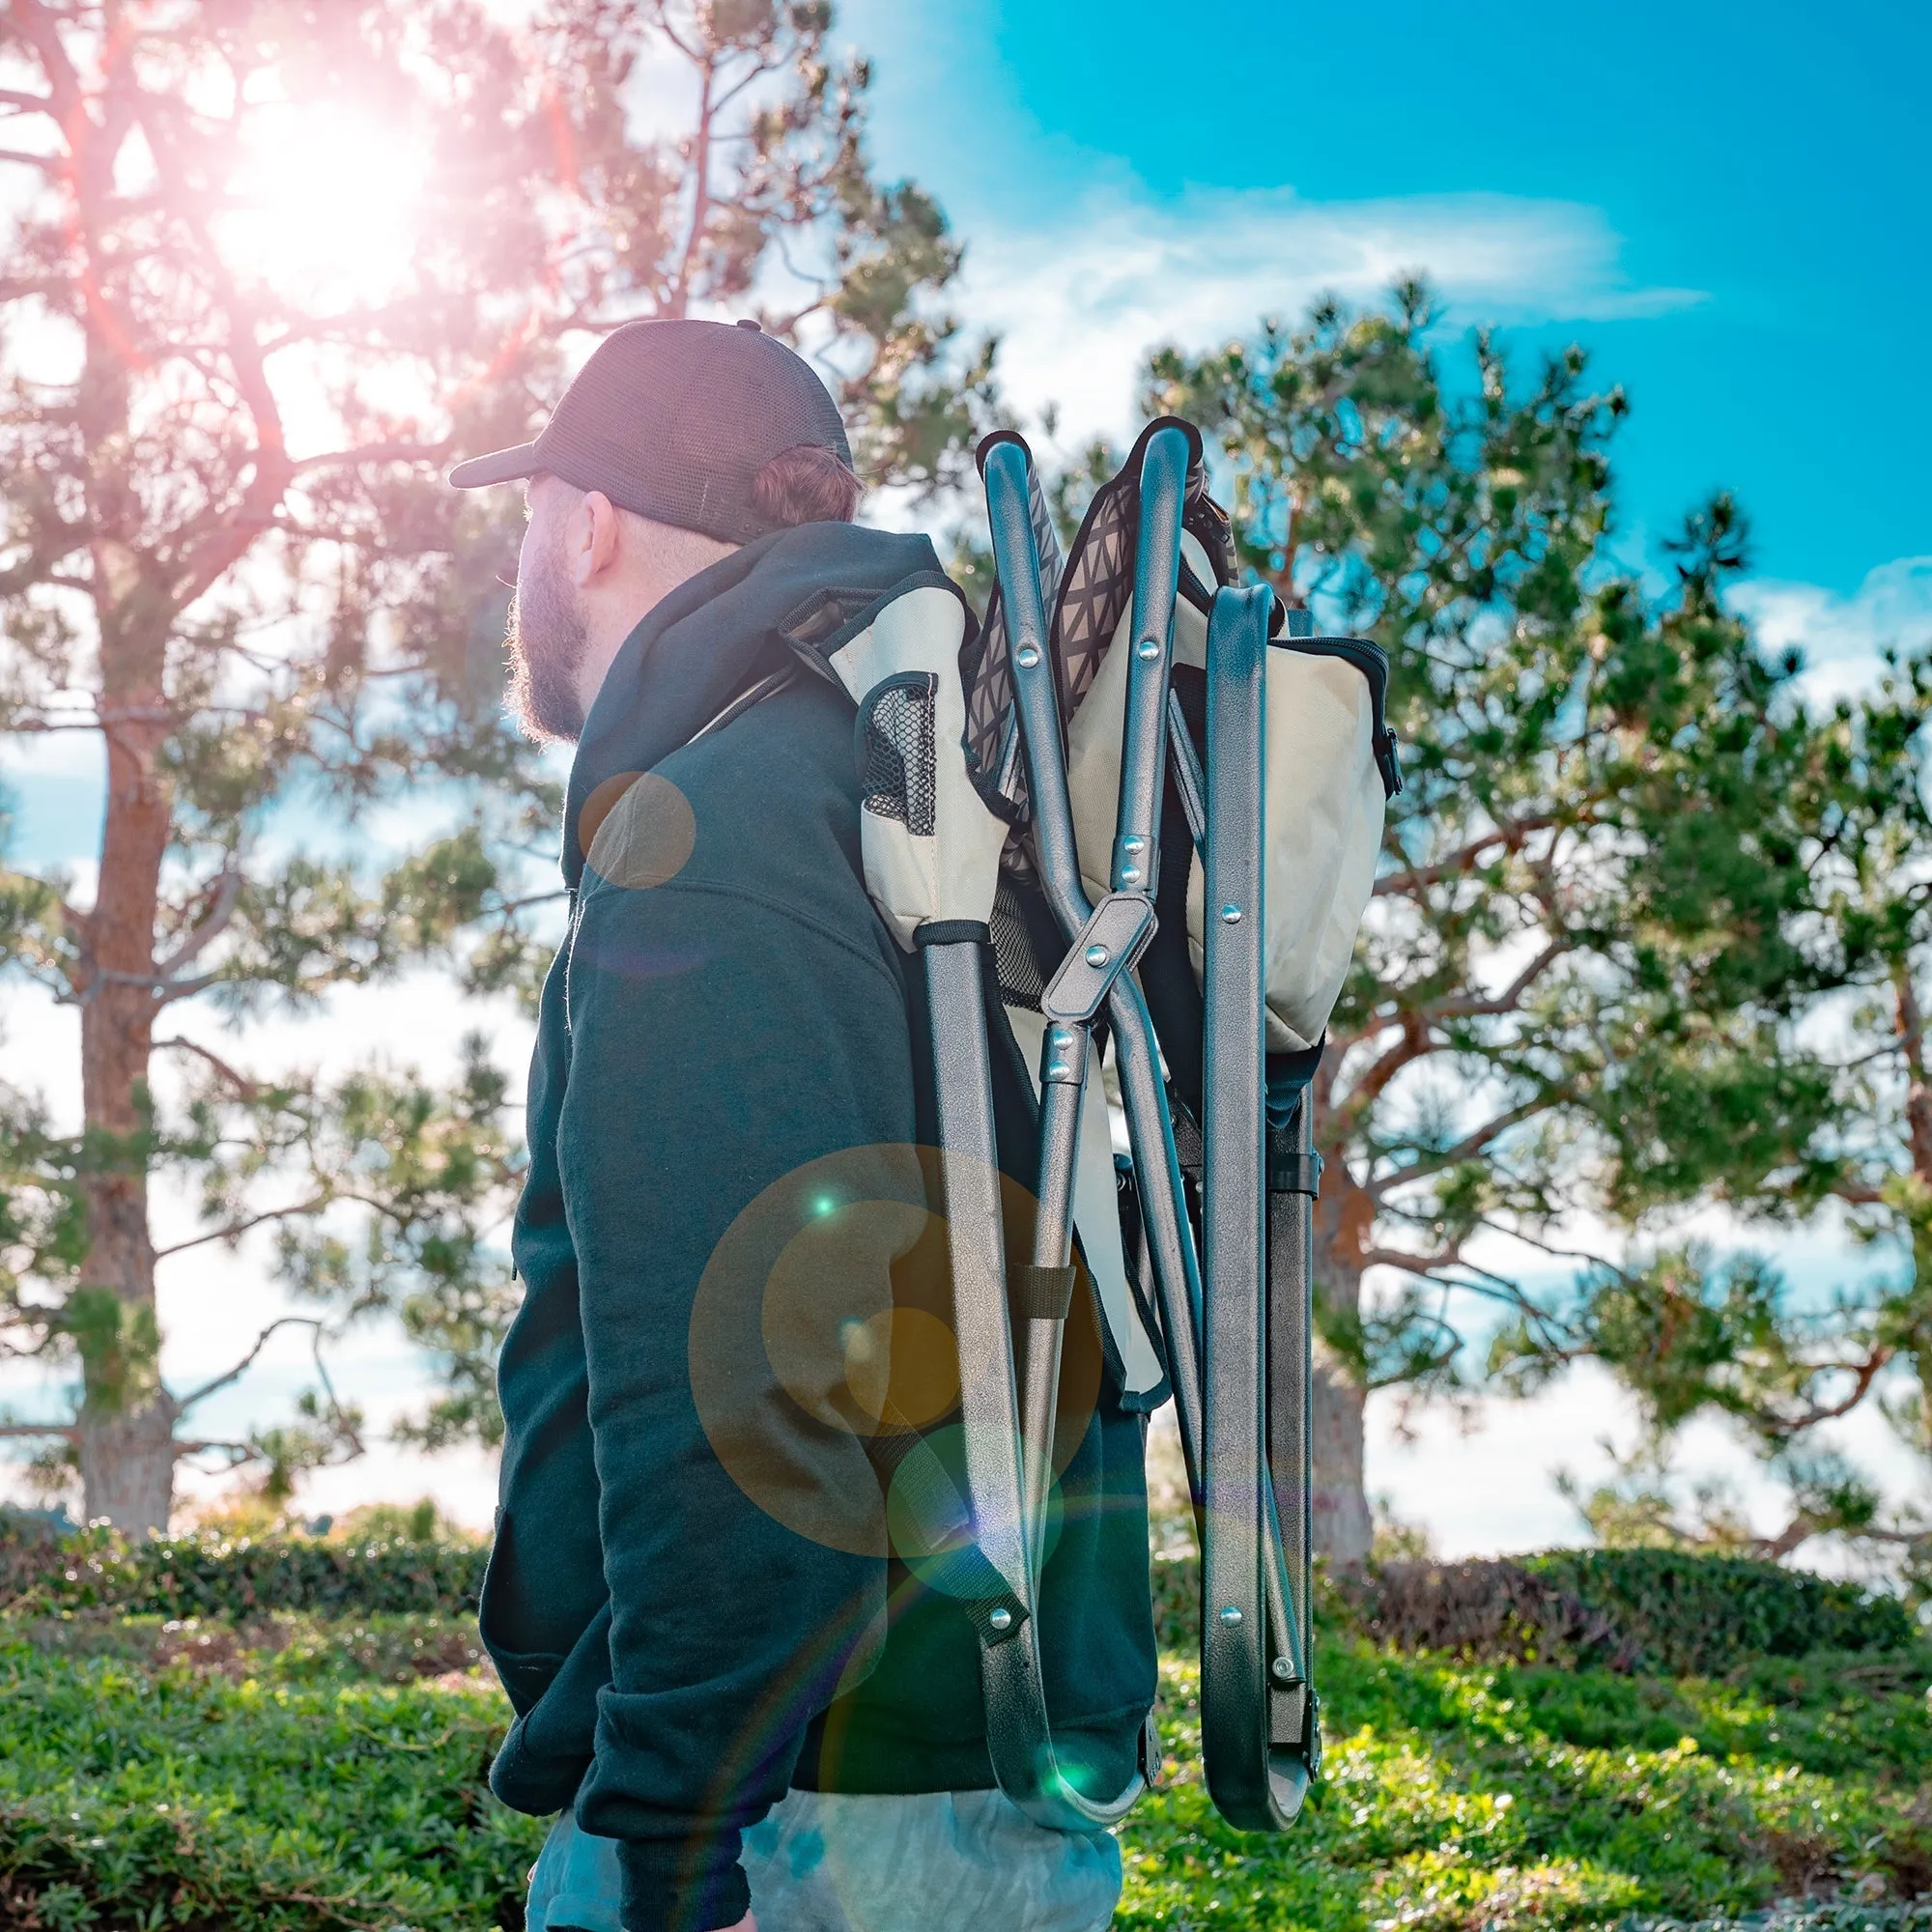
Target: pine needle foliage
x=269 y=269
x=1598 y=931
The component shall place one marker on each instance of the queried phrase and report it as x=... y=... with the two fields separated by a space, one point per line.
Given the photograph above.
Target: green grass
x=1465 y=1796
x=301 y=1774
x=293 y=1795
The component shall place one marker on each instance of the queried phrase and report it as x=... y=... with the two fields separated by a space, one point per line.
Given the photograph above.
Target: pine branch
x=247 y=1361
x=1476 y=1005
x=700 y=206
x=372 y=452
x=1467 y=1148
x=165 y=991
x=1530 y=1240
x=757 y=72
x=1465 y=858
x=243 y=1087
x=227 y=532
x=1857 y=1194
x=198 y=939
x=233 y=1230
x=1425 y=1266
x=1863 y=1372
x=40 y=27
x=165 y=995
x=74 y=921
x=1801 y=1530
x=661 y=14
x=1412 y=1044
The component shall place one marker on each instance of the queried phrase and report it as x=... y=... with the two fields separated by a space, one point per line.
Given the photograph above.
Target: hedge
x=1656 y=1612
x=212 y=1576
x=1691 y=1615
x=176 y=1798
x=1627 y=1610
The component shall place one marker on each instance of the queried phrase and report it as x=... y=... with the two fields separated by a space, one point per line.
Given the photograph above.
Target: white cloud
x=1841 y=637
x=1080 y=300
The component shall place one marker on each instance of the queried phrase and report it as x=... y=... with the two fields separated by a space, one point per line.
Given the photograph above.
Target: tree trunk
x=126 y=1418
x=1344 y=1214
x=1343 y=1530
x=128 y=1467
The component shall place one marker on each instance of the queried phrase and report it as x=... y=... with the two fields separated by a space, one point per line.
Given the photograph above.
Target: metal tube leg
x=1247 y=1629
x=1018 y=1736
x=1007 y=468
x=1136 y=856
x=1062 y=1082
x=1289 y=1348
x=970 y=1177
x=1177 y=1267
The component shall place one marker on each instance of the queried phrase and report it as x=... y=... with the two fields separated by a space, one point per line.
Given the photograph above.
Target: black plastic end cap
x=988 y=444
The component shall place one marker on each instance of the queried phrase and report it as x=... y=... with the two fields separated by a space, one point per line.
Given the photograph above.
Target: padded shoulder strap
x=931 y=847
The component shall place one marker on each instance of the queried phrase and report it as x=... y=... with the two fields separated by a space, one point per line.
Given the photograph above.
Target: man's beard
x=548 y=641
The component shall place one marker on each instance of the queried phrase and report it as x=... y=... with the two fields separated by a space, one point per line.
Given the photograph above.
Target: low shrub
x=1627 y=1611
x=282 y=1647
x=1660 y=1611
x=208 y=1574
x=158 y=1795
x=1692 y=1615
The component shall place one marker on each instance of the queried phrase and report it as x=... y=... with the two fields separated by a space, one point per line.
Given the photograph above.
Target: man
x=748 y=1708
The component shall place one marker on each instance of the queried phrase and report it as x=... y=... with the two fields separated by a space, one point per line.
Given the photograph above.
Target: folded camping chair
x=1196 y=790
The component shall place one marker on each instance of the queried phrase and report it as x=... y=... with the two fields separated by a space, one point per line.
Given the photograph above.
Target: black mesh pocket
x=898 y=764
x=1015 y=954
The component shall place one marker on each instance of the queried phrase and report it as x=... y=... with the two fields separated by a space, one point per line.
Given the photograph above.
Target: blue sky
x=1730 y=207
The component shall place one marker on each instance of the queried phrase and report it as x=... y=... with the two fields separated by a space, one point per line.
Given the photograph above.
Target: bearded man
x=746 y=1711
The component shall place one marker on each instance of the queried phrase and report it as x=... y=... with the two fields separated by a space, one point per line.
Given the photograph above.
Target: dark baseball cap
x=674 y=420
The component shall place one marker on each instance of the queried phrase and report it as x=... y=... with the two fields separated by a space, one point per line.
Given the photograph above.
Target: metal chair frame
x=1235 y=1341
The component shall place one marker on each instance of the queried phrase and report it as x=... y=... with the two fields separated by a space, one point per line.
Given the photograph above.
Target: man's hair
x=806 y=485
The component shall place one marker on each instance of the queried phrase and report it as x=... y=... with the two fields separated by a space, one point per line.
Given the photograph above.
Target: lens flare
x=822 y=1335
x=331 y=203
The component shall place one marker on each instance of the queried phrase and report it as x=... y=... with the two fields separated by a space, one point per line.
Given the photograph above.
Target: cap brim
x=504 y=465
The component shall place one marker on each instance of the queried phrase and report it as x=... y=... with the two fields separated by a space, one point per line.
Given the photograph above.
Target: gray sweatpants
x=833 y=1862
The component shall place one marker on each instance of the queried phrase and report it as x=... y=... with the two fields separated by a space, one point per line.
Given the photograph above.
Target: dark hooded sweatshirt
x=690 y=1599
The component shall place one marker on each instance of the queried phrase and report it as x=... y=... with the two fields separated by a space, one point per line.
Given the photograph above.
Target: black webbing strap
x=1039 y=1293
x=1290 y=1171
x=953 y=932
x=1187 y=1145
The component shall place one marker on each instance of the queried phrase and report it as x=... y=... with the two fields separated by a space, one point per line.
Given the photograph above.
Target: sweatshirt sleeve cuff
x=664 y=1891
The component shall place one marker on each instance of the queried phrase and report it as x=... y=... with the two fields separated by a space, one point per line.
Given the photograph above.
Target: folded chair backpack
x=1154 y=803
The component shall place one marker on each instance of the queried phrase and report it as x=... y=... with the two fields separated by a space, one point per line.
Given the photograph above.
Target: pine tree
x=269 y=267
x=1575 y=986
x=1693 y=1332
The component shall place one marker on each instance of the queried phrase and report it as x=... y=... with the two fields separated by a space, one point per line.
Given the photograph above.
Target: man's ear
x=593 y=538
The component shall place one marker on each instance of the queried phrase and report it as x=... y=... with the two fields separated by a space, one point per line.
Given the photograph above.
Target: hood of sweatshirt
x=794 y=594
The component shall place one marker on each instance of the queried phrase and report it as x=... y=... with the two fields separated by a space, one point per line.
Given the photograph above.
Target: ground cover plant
x=1600 y=1738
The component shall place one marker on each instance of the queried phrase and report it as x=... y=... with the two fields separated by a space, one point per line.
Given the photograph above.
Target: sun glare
x=329 y=204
